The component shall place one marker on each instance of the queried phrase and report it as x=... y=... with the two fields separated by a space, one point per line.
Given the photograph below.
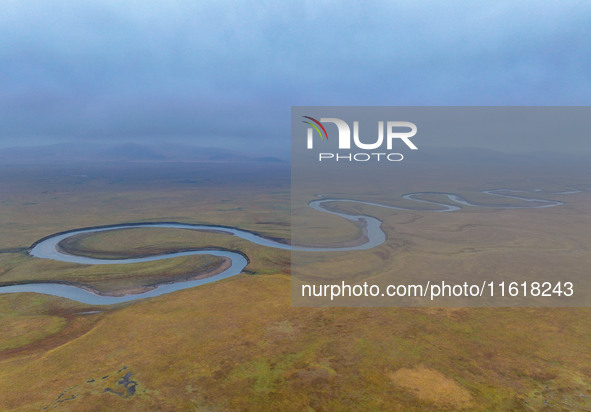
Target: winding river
x=47 y=248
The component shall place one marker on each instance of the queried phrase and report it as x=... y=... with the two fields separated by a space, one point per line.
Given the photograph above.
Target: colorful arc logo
x=325 y=135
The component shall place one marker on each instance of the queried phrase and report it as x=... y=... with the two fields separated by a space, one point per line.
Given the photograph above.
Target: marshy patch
x=119 y=383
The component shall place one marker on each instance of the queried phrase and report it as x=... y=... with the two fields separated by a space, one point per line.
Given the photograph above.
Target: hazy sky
x=226 y=73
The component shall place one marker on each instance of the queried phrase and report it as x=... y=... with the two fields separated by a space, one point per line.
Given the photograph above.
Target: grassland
x=197 y=350
x=238 y=344
x=478 y=244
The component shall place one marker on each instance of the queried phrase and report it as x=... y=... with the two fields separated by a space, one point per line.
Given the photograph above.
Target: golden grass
x=239 y=345
x=22 y=330
x=432 y=386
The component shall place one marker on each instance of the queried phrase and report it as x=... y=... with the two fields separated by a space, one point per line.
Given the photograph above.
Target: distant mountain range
x=176 y=152
x=125 y=152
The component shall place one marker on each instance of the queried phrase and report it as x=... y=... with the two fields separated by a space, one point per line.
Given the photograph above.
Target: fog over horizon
x=225 y=74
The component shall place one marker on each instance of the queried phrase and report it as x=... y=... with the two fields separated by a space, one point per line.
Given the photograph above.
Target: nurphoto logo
x=395 y=131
